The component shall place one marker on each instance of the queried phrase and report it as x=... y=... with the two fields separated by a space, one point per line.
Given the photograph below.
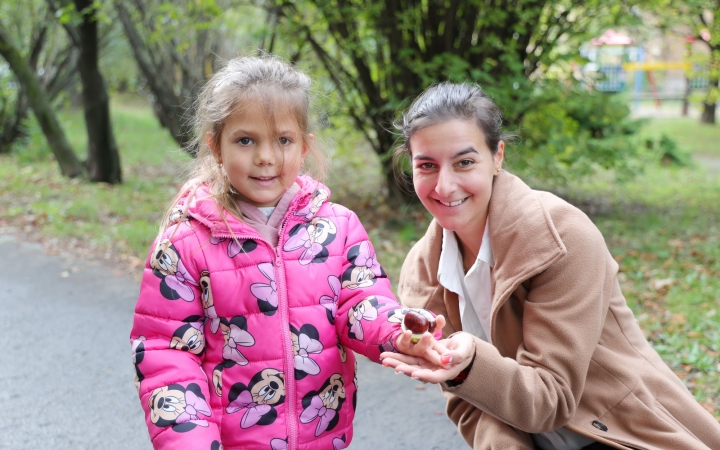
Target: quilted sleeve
x=168 y=345
x=368 y=312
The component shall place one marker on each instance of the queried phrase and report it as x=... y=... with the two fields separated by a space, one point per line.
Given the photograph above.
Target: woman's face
x=453 y=170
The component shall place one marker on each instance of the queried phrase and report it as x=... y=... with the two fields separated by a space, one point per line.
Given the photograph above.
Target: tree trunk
x=170 y=109
x=400 y=190
x=710 y=102
x=69 y=164
x=708 y=114
x=103 y=157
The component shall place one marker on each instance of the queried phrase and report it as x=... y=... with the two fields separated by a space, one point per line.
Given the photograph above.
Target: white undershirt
x=267 y=210
x=474 y=290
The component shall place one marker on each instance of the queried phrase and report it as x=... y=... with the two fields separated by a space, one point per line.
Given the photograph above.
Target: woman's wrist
x=460 y=378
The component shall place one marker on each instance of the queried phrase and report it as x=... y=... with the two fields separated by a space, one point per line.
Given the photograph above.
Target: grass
x=105 y=219
x=663 y=227
x=688 y=133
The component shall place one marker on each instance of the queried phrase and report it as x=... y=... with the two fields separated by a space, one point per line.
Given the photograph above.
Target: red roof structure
x=612 y=37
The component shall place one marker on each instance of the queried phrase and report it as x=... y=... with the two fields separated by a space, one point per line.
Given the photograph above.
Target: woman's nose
x=445 y=183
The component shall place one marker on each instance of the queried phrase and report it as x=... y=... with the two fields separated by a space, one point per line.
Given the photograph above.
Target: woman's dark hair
x=448 y=101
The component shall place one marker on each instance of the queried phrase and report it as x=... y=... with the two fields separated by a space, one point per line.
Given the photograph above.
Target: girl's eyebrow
x=460 y=153
x=238 y=133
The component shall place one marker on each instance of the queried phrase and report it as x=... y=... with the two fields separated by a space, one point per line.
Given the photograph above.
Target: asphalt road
x=67 y=376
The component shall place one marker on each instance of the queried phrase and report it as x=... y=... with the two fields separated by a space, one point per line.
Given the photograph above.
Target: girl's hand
x=427 y=347
x=455 y=354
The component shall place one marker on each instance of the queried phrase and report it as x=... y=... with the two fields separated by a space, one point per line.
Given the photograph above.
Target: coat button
x=599 y=425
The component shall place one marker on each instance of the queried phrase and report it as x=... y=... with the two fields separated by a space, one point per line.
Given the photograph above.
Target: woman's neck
x=470 y=247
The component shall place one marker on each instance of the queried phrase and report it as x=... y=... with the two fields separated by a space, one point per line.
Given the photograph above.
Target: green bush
x=569 y=132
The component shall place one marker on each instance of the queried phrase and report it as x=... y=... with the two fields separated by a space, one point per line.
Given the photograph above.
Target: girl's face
x=453 y=170
x=261 y=159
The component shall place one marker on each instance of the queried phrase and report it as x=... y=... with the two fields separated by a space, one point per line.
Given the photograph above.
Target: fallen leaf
x=676 y=243
x=660 y=284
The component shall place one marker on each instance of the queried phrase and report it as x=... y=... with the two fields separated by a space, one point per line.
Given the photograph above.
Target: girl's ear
x=306 y=147
x=213 y=148
x=499 y=156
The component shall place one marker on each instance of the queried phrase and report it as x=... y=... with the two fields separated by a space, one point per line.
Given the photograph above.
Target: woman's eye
x=244 y=141
x=426 y=166
x=465 y=163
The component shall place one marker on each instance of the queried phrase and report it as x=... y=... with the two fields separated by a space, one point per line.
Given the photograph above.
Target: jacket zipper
x=289 y=360
x=284 y=315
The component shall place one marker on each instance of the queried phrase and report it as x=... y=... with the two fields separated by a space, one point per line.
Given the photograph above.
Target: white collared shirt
x=474 y=291
x=474 y=288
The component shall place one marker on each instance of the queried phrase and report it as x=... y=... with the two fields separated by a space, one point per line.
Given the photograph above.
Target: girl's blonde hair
x=280 y=87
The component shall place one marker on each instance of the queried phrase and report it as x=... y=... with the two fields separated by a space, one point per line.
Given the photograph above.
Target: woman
x=542 y=350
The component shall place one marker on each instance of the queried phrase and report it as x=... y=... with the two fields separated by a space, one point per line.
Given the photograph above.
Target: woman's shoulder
x=564 y=215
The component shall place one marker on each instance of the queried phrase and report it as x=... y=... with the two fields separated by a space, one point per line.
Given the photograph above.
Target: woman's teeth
x=455 y=203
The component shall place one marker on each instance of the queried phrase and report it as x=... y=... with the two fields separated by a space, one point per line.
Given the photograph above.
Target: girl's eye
x=426 y=166
x=285 y=141
x=244 y=141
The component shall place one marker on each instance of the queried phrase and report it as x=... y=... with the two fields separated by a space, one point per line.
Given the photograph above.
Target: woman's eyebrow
x=460 y=153
x=464 y=152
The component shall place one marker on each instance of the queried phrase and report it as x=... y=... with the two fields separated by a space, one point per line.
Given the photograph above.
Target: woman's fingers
x=434 y=376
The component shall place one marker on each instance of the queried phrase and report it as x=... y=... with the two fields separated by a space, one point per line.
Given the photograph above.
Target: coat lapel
x=523 y=237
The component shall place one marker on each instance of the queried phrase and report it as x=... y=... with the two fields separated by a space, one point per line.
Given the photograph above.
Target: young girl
x=257 y=284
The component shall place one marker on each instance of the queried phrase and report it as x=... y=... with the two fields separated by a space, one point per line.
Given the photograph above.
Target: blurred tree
x=70 y=166
x=173 y=44
x=380 y=54
x=80 y=19
x=709 y=19
x=703 y=19
x=31 y=29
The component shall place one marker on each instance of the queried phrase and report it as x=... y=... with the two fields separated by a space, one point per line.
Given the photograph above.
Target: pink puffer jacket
x=242 y=344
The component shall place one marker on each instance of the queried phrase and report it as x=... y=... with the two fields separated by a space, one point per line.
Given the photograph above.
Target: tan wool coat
x=567 y=350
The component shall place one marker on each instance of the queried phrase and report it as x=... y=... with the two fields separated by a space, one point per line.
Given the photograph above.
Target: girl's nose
x=445 y=183
x=265 y=154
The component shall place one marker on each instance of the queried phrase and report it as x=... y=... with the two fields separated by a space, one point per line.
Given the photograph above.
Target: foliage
x=380 y=55
x=702 y=17
x=173 y=44
x=569 y=132
x=33 y=32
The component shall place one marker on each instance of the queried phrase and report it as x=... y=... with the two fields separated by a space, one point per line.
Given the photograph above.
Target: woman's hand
x=427 y=347
x=454 y=355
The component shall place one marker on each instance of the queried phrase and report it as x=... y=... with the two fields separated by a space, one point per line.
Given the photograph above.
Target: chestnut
x=418 y=321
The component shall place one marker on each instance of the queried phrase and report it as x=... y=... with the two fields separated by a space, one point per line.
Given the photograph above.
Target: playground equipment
x=618 y=65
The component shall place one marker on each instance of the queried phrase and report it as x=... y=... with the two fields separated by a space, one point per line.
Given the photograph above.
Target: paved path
x=67 y=377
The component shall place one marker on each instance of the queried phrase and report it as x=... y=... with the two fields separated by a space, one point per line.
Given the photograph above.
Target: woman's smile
x=454 y=203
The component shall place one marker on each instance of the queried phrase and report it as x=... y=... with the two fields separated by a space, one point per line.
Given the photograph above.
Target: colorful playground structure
x=616 y=63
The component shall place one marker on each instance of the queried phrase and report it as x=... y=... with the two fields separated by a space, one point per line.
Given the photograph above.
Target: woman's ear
x=499 y=156
x=213 y=148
